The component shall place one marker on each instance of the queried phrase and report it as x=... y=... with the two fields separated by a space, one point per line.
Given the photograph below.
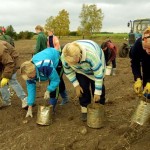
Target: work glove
x=96 y=98
x=47 y=95
x=4 y=81
x=108 y=63
x=79 y=91
x=147 y=88
x=29 y=113
x=138 y=86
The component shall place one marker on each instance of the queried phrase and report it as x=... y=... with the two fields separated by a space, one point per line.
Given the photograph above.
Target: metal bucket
x=142 y=112
x=95 y=115
x=44 y=115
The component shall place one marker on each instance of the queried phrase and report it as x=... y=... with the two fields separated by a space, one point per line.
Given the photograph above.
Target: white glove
x=29 y=113
x=47 y=95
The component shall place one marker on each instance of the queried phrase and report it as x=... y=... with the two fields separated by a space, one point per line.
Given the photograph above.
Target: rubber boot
x=114 y=71
x=53 y=101
x=64 y=97
x=83 y=113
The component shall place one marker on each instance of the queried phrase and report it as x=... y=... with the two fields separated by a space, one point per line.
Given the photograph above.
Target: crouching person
x=9 y=64
x=84 y=65
x=42 y=67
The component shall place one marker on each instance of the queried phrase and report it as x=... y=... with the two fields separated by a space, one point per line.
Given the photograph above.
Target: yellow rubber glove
x=138 y=86
x=96 y=98
x=79 y=91
x=147 y=88
x=4 y=81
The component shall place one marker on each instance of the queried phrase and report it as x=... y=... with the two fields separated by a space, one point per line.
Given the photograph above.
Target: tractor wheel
x=123 y=51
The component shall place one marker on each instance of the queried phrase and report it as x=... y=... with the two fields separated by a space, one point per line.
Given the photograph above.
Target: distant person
x=5 y=37
x=110 y=52
x=84 y=66
x=42 y=67
x=9 y=64
x=53 y=41
x=140 y=64
x=41 y=42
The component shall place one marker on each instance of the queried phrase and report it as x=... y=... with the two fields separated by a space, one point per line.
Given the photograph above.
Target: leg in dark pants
x=62 y=88
x=114 y=63
x=84 y=82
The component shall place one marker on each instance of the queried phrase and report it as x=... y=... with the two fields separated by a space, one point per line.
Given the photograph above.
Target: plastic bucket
x=108 y=70
x=44 y=115
x=95 y=115
x=142 y=112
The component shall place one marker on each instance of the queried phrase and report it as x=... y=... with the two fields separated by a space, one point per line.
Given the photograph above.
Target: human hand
x=4 y=81
x=47 y=95
x=79 y=91
x=108 y=63
x=96 y=98
x=147 y=88
x=138 y=86
x=29 y=112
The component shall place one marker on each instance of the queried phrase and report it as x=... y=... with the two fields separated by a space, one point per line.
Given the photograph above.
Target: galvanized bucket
x=142 y=112
x=44 y=115
x=95 y=115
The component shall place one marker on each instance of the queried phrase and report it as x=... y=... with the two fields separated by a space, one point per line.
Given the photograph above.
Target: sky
x=24 y=15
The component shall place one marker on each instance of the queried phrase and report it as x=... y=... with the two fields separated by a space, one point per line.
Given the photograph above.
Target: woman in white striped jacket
x=84 y=66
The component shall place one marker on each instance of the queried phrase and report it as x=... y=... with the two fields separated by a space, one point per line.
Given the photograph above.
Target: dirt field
x=65 y=131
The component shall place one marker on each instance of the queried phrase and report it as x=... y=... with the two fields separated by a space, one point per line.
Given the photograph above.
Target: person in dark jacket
x=9 y=64
x=110 y=51
x=41 y=42
x=140 y=64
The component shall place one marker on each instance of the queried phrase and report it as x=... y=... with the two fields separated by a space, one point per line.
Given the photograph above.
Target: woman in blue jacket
x=41 y=67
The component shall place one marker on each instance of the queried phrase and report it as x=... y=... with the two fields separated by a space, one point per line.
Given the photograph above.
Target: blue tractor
x=137 y=28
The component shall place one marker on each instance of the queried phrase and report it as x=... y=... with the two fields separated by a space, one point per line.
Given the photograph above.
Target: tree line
x=90 y=16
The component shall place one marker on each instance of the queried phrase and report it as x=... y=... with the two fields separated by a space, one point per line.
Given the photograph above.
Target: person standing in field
x=5 y=37
x=84 y=66
x=9 y=64
x=110 y=52
x=41 y=42
x=53 y=41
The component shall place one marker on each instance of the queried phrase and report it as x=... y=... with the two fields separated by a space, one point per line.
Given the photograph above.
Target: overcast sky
x=26 y=14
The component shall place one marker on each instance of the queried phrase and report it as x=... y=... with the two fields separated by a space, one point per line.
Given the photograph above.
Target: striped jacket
x=92 y=65
x=45 y=62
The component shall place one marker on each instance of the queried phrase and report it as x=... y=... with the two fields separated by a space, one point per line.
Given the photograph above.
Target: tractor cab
x=137 y=28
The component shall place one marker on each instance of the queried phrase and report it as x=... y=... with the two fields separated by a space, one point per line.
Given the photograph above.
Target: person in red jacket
x=110 y=52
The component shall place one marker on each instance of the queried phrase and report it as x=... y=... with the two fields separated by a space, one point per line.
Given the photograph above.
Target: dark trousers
x=114 y=63
x=61 y=87
x=86 y=85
